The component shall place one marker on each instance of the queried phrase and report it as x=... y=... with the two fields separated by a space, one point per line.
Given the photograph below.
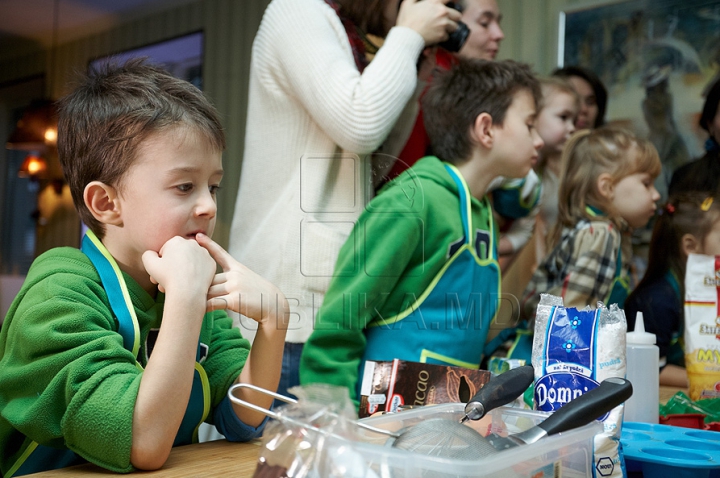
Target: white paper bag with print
x=702 y=326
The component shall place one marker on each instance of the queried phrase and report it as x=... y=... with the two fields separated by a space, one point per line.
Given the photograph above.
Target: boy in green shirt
x=117 y=352
x=418 y=277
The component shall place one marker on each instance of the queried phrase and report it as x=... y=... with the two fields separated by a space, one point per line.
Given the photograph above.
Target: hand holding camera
x=434 y=20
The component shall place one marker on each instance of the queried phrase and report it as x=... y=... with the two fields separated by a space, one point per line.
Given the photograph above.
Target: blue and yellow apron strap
x=23 y=458
x=465 y=203
x=466 y=210
x=116 y=289
x=592 y=211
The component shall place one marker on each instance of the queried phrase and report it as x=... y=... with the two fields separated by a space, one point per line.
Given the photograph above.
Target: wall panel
x=229 y=26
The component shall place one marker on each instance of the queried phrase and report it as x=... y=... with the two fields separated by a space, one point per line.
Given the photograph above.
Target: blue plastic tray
x=667 y=451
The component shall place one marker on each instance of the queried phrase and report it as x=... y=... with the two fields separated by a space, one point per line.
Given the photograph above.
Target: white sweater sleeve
x=308 y=52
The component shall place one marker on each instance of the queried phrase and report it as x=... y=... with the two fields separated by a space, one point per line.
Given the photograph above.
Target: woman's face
x=483 y=19
x=588 y=103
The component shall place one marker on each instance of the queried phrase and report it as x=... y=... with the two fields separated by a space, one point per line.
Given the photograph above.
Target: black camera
x=457 y=39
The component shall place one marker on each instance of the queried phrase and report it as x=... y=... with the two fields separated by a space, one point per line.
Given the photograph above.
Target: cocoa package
x=392 y=386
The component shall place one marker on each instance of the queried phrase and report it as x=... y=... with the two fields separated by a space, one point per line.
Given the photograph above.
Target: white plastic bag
x=292 y=449
x=573 y=351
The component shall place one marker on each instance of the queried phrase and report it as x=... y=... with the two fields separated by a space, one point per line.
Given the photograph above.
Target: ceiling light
x=33 y=167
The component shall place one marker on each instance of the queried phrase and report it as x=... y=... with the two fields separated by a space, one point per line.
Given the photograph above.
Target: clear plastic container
x=568 y=454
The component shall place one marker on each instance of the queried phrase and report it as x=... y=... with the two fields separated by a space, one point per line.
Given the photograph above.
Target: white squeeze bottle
x=643 y=372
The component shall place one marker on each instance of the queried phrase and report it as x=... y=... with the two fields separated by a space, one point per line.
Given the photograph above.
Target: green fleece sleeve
x=66 y=379
x=227 y=355
x=380 y=251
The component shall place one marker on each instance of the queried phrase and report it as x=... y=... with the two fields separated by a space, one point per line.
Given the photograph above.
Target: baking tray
x=667 y=451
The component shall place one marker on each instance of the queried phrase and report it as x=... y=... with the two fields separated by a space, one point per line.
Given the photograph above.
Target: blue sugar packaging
x=573 y=351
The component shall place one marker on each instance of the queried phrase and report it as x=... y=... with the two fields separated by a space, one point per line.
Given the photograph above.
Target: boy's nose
x=206 y=205
x=537 y=140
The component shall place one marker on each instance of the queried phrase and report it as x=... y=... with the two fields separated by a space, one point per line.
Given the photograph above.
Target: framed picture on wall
x=656 y=58
x=182 y=56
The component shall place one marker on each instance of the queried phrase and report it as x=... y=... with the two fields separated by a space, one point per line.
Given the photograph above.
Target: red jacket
x=418 y=143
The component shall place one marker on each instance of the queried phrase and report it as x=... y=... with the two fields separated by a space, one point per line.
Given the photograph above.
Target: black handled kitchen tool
x=577 y=412
x=498 y=391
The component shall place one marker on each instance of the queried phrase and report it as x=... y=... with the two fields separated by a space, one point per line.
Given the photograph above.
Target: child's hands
x=181 y=264
x=239 y=289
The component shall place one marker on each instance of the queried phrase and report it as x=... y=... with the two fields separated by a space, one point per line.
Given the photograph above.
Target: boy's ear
x=482 y=132
x=101 y=200
x=689 y=243
x=605 y=185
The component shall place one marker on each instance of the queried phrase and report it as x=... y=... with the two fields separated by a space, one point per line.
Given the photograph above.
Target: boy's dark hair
x=456 y=97
x=114 y=109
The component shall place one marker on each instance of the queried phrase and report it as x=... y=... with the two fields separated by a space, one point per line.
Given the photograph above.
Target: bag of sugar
x=573 y=351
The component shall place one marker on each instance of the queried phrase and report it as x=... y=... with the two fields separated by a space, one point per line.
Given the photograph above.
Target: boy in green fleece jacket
x=117 y=352
x=418 y=278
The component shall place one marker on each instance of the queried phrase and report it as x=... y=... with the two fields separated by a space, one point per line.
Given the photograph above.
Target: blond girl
x=606 y=189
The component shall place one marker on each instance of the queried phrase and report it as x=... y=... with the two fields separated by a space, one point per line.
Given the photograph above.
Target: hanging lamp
x=33 y=167
x=37 y=128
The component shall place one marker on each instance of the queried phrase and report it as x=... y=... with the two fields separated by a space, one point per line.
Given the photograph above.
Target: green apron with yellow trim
x=449 y=322
x=38 y=457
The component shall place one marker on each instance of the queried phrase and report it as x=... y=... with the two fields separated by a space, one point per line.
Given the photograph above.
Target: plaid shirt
x=581 y=268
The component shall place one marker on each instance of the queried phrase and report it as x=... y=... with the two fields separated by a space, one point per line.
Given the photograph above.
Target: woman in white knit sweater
x=316 y=111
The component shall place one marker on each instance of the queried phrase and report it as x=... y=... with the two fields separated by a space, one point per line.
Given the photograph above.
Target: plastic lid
x=639 y=336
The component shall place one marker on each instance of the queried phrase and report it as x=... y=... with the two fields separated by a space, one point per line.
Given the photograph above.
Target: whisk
x=439 y=437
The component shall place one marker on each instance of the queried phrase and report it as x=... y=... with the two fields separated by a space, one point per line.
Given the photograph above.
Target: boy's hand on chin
x=239 y=289
x=181 y=264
